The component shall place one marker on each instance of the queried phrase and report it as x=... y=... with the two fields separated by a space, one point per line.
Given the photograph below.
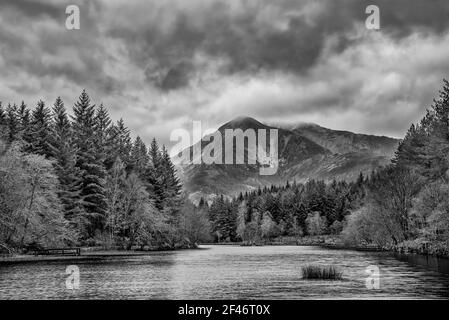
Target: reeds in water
x=321 y=272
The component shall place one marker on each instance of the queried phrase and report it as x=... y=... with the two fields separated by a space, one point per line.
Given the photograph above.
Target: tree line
x=80 y=179
x=295 y=209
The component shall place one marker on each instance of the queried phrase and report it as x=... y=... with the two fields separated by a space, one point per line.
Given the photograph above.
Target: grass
x=321 y=272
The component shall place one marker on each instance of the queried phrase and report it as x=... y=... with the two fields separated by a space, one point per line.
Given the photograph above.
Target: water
x=229 y=272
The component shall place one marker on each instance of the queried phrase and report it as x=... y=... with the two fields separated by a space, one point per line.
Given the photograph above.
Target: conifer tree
x=139 y=159
x=103 y=136
x=2 y=115
x=223 y=217
x=171 y=188
x=64 y=152
x=40 y=130
x=90 y=163
x=12 y=122
x=121 y=143
x=171 y=184
x=3 y=122
x=24 y=119
x=154 y=176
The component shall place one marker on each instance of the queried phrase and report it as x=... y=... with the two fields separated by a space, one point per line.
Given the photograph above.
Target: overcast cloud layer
x=161 y=64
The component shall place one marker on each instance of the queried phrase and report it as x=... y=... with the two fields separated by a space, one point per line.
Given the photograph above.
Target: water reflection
x=228 y=272
x=438 y=264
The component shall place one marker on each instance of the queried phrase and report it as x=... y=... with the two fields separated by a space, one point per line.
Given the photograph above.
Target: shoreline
x=87 y=254
x=91 y=254
x=335 y=243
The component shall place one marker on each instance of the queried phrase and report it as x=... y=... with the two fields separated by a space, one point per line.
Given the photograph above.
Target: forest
x=403 y=206
x=80 y=180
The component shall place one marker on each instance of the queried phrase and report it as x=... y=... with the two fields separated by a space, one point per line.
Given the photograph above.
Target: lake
x=229 y=272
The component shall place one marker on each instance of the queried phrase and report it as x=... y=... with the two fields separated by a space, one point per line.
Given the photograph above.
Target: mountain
x=345 y=142
x=306 y=151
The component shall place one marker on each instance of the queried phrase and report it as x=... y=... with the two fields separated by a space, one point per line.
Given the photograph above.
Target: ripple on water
x=226 y=272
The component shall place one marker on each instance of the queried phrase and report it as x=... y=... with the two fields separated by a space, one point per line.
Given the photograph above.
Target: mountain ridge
x=305 y=152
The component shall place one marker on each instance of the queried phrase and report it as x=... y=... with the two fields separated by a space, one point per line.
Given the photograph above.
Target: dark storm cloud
x=33 y=8
x=290 y=40
x=285 y=35
x=402 y=17
x=235 y=36
x=46 y=49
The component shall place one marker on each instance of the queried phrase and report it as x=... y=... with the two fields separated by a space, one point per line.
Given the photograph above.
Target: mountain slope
x=344 y=141
x=305 y=152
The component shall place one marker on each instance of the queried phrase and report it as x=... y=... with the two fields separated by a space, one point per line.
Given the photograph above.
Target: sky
x=161 y=64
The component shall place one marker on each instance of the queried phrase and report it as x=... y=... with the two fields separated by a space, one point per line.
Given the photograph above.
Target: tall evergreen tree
x=12 y=122
x=24 y=119
x=154 y=176
x=171 y=188
x=223 y=217
x=103 y=136
x=64 y=152
x=170 y=182
x=121 y=143
x=2 y=114
x=90 y=163
x=3 y=122
x=139 y=159
x=40 y=134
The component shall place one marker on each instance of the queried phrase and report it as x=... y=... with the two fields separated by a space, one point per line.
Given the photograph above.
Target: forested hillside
x=80 y=180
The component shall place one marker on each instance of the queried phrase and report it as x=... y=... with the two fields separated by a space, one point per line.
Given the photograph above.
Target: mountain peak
x=243 y=122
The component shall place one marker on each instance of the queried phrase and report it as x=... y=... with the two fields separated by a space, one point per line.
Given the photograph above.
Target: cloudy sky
x=160 y=64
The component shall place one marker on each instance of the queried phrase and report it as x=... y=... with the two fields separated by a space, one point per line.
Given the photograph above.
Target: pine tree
x=153 y=175
x=61 y=123
x=155 y=154
x=436 y=146
x=3 y=121
x=64 y=152
x=426 y=145
x=103 y=136
x=2 y=115
x=223 y=217
x=139 y=159
x=90 y=163
x=121 y=142
x=171 y=188
x=12 y=122
x=24 y=127
x=40 y=130
x=171 y=184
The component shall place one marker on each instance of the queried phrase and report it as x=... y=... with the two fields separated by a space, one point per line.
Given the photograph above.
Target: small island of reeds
x=321 y=272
